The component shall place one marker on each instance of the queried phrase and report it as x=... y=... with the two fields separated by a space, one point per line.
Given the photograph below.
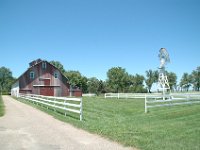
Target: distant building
x=43 y=78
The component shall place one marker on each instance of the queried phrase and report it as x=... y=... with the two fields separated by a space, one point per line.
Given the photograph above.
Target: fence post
x=47 y=105
x=118 y=95
x=54 y=104
x=32 y=97
x=145 y=104
x=81 y=109
x=188 y=98
x=65 y=107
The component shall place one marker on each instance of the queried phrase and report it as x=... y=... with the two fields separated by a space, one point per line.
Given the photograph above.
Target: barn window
x=55 y=74
x=44 y=65
x=32 y=75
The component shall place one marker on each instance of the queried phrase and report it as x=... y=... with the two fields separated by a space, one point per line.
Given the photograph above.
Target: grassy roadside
x=2 y=109
x=124 y=121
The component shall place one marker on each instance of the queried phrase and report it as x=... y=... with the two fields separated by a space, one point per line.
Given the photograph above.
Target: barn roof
x=37 y=62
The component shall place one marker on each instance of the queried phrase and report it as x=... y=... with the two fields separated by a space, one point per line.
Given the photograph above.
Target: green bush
x=1 y=107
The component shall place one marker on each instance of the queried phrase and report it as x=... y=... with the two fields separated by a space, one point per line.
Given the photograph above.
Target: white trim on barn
x=15 y=89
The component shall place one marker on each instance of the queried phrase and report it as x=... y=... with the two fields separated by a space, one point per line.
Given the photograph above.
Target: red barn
x=42 y=78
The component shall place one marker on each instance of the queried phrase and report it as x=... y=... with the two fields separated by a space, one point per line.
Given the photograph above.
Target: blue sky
x=92 y=36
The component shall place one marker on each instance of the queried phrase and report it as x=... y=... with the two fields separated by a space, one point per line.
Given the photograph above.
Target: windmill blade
x=164 y=54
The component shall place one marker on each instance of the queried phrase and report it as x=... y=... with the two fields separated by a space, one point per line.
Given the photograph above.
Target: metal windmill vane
x=164 y=57
x=163 y=83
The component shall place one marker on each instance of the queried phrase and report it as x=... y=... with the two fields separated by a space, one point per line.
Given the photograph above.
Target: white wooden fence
x=64 y=103
x=126 y=95
x=171 y=100
x=89 y=95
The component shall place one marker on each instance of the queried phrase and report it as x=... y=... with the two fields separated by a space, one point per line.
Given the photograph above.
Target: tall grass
x=2 y=110
x=124 y=121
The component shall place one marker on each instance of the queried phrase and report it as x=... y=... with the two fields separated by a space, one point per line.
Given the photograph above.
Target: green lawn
x=1 y=107
x=124 y=121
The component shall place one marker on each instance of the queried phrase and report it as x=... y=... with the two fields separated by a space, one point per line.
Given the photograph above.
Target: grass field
x=2 y=110
x=124 y=121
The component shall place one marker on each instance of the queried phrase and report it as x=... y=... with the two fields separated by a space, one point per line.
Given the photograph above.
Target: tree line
x=191 y=80
x=118 y=80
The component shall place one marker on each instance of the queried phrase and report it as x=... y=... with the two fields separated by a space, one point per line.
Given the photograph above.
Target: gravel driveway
x=24 y=127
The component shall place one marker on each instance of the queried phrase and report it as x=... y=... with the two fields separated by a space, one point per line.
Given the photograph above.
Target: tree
x=6 y=79
x=93 y=85
x=185 y=81
x=84 y=84
x=151 y=77
x=74 y=77
x=120 y=81
x=58 y=65
x=77 y=80
x=117 y=79
x=137 y=84
x=130 y=84
x=102 y=87
x=172 y=79
x=196 y=78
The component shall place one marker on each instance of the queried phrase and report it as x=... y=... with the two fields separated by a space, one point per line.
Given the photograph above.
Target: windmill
x=163 y=83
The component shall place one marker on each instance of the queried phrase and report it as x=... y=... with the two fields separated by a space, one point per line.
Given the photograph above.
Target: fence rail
x=64 y=103
x=89 y=95
x=171 y=100
x=126 y=95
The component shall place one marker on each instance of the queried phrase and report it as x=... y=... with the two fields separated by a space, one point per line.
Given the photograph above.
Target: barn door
x=47 y=91
x=46 y=82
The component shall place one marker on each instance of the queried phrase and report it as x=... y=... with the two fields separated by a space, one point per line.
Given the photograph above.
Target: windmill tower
x=163 y=83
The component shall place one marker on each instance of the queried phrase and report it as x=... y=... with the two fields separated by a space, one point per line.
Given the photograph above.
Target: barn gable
x=42 y=78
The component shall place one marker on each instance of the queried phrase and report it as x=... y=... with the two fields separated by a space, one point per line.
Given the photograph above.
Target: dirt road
x=24 y=127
